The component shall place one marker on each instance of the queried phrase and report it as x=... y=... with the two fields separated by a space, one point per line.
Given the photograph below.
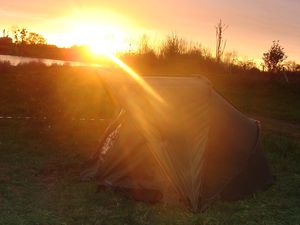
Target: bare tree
x=220 y=42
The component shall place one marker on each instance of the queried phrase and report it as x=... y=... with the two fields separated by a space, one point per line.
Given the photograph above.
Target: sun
x=99 y=37
x=107 y=39
x=100 y=48
x=102 y=31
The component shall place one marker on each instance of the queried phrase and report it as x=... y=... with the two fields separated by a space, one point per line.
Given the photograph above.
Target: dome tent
x=176 y=140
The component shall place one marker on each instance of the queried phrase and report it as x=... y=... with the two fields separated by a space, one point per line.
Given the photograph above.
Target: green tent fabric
x=176 y=140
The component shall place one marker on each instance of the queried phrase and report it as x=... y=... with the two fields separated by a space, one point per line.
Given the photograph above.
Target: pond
x=15 y=60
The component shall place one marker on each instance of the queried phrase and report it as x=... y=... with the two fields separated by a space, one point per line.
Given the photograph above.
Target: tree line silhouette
x=22 y=42
x=174 y=54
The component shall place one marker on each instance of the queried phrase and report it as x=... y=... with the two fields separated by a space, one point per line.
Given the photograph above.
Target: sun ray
x=135 y=76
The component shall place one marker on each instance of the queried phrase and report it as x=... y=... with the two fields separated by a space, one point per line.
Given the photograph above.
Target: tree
x=23 y=36
x=5 y=39
x=220 y=42
x=15 y=31
x=274 y=57
x=19 y=35
x=35 y=39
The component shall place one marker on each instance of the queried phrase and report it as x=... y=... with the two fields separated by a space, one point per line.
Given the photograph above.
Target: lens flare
x=135 y=76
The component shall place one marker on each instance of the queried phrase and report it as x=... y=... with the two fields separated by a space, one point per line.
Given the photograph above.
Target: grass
x=253 y=95
x=39 y=177
x=40 y=161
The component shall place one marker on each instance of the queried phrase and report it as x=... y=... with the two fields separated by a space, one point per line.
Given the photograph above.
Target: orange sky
x=253 y=25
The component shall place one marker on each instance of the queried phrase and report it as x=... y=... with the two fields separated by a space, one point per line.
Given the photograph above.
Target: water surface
x=16 y=60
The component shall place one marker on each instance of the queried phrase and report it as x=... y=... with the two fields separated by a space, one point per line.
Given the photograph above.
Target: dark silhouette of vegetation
x=35 y=39
x=173 y=46
x=23 y=42
x=144 y=47
x=24 y=37
x=220 y=42
x=6 y=43
x=5 y=39
x=64 y=92
x=274 y=57
x=173 y=55
x=291 y=66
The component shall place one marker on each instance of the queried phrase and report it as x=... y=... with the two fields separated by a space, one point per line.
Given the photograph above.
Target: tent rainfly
x=176 y=140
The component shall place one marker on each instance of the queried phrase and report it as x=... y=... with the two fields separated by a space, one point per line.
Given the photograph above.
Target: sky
x=252 y=25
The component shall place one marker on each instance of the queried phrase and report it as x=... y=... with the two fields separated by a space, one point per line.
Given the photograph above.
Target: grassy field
x=40 y=162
